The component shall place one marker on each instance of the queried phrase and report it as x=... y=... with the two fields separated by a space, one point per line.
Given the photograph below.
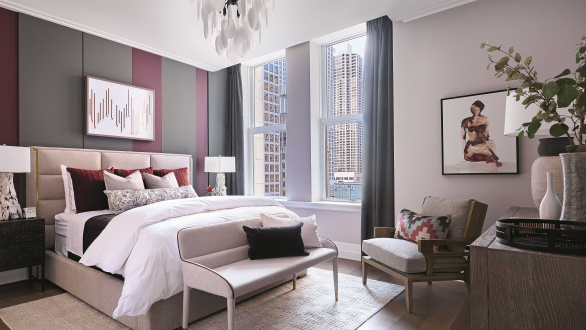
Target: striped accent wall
x=8 y=77
x=42 y=70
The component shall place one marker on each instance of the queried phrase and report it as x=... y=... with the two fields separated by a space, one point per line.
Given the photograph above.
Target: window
x=268 y=134
x=342 y=124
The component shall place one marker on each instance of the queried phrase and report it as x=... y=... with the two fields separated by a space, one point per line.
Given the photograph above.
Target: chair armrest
x=426 y=247
x=203 y=278
x=381 y=232
x=328 y=244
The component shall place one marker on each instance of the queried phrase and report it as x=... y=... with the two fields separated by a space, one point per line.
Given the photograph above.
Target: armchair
x=417 y=262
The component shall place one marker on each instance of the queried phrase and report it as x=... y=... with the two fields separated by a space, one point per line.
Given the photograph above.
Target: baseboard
x=349 y=251
x=13 y=276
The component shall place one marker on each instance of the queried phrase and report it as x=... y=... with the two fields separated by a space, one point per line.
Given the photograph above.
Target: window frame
x=325 y=120
x=252 y=130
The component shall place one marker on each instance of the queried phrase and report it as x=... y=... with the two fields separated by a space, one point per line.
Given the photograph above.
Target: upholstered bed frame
x=44 y=189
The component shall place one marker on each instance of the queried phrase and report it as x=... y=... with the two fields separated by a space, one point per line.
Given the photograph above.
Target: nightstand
x=22 y=244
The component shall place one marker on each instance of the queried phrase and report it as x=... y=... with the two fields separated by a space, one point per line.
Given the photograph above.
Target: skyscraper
x=270 y=148
x=344 y=80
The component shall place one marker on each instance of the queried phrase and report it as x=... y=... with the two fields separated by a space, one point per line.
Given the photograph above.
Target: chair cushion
x=403 y=255
x=458 y=208
x=249 y=275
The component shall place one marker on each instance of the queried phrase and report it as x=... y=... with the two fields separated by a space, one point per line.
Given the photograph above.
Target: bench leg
x=186 y=297
x=294 y=281
x=336 y=276
x=231 y=308
x=364 y=272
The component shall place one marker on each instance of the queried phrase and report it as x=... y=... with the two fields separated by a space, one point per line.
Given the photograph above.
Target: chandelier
x=231 y=24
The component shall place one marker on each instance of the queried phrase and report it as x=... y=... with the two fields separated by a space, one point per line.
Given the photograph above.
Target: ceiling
x=170 y=28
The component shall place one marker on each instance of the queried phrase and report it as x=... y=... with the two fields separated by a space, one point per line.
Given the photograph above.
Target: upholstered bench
x=215 y=260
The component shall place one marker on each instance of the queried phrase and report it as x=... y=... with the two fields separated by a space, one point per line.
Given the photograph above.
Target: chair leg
x=364 y=272
x=409 y=293
x=294 y=281
x=231 y=308
x=336 y=276
x=186 y=298
x=428 y=282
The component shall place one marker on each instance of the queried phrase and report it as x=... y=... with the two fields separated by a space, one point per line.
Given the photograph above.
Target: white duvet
x=141 y=244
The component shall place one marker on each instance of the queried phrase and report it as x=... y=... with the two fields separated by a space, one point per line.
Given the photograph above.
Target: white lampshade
x=220 y=164
x=15 y=159
x=516 y=115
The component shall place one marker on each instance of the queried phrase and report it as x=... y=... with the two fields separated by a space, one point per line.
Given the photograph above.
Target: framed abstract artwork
x=473 y=140
x=119 y=110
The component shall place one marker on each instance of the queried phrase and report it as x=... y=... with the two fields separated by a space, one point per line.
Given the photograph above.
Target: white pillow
x=308 y=230
x=68 y=186
x=167 y=181
x=131 y=182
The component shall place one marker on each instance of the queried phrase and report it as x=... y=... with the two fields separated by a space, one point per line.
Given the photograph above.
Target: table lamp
x=12 y=160
x=220 y=165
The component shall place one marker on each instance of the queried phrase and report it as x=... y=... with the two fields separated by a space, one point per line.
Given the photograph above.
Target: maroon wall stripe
x=201 y=129
x=147 y=72
x=8 y=77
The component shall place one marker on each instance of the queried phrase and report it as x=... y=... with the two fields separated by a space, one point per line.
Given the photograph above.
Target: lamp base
x=9 y=207
x=221 y=184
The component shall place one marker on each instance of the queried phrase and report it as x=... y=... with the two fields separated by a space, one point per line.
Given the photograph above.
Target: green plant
x=564 y=91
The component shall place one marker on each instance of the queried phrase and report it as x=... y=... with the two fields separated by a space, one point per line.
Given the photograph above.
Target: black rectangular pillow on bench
x=275 y=242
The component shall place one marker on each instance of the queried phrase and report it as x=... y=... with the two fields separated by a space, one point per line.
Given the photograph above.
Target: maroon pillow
x=180 y=175
x=88 y=189
x=125 y=173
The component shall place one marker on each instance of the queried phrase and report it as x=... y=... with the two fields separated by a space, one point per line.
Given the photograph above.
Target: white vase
x=551 y=207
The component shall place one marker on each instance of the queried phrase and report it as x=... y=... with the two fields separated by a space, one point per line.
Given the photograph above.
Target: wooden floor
x=443 y=305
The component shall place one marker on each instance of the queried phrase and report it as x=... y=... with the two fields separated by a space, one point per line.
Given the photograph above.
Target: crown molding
x=10 y=5
x=429 y=10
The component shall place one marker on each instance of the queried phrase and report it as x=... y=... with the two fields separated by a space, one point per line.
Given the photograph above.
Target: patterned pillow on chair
x=414 y=227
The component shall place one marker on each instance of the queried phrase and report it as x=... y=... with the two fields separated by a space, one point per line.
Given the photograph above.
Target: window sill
x=324 y=205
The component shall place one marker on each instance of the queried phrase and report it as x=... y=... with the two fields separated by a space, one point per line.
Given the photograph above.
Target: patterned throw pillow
x=124 y=200
x=414 y=227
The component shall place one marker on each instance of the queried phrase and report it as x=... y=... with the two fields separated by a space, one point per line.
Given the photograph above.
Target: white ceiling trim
x=429 y=10
x=48 y=17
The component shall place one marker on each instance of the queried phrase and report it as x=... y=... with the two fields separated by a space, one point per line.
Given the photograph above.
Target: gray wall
x=439 y=56
x=50 y=88
x=216 y=115
x=179 y=116
x=108 y=60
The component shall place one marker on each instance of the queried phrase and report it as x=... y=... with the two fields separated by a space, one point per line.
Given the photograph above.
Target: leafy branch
x=564 y=91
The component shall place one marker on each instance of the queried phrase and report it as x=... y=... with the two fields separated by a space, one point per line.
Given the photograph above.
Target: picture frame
x=473 y=140
x=119 y=110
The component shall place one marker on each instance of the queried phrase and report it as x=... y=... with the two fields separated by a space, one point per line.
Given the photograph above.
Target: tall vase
x=574 y=165
x=551 y=207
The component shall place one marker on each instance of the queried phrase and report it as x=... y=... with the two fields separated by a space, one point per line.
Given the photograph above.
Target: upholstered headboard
x=44 y=185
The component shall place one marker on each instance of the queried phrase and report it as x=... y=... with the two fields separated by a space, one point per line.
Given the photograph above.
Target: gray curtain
x=378 y=191
x=234 y=130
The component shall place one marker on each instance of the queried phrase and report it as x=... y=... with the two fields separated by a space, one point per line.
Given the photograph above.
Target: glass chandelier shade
x=231 y=24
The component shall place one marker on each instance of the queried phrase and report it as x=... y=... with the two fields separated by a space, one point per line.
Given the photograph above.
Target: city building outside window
x=342 y=123
x=268 y=132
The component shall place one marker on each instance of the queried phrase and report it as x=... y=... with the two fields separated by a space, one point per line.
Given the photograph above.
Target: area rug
x=310 y=306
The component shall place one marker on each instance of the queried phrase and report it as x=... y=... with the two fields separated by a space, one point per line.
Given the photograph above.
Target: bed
x=101 y=289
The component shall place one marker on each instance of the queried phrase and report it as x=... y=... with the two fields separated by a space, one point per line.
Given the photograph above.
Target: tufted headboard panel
x=44 y=185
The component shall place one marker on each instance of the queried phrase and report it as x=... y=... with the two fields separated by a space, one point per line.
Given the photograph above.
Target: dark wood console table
x=513 y=288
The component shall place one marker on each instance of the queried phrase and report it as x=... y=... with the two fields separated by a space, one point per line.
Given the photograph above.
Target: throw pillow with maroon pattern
x=414 y=227
x=88 y=189
x=180 y=175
